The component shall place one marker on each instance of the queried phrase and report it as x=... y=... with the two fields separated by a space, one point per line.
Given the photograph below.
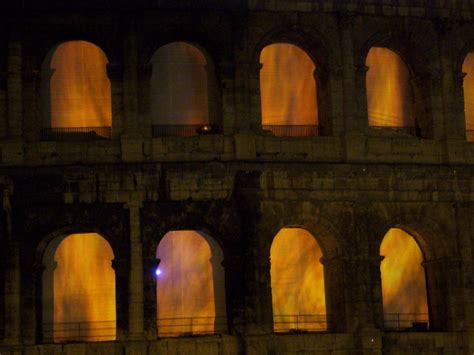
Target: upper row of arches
x=76 y=92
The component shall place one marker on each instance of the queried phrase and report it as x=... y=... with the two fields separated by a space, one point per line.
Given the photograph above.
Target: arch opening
x=404 y=293
x=468 y=89
x=390 y=97
x=76 y=93
x=297 y=280
x=190 y=285
x=180 y=86
x=288 y=91
x=79 y=290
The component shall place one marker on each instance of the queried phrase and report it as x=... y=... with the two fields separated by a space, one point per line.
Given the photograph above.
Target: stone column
x=3 y=104
x=132 y=128
x=150 y=264
x=121 y=268
x=12 y=280
x=227 y=70
x=14 y=88
x=135 y=287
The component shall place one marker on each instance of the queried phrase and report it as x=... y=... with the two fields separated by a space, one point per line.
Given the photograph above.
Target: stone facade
x=243 y=184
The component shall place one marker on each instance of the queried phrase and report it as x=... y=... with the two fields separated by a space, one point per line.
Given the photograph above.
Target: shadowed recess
x=84 y=289
x=287 y=86
x=179 y=86
x=79 y=88
x=190 y=285
x=468 y=86
x=297 y=282
x=389 y=92
x=403 y=276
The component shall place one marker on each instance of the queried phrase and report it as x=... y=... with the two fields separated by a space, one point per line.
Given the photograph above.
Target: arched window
x=79 y=290
x=190 y=285
x=389 y=91
x=179 y=90
x=468 y=86
x=77 y=93
x=288 y=91
x=404 y=293
x=297 y=275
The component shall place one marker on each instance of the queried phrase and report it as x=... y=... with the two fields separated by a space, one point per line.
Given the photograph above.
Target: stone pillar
x=135 y=286
x=132 y=128
x=121 y=268
x=227 y=70
x=12 y=285
x=14 y=88
x=150 y=264
x=115 y=75
x=3 y=104
x=219 y=294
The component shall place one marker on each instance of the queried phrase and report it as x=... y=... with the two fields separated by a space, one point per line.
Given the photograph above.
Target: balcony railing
x=412 y=130
x=293 y=130
x=76 y=133
x=181 y=130
x=79 y=331
x=400 y=322
x=301 y=323
x=168 y=327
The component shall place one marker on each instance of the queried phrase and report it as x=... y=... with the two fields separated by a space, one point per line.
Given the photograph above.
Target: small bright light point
x=157 y=272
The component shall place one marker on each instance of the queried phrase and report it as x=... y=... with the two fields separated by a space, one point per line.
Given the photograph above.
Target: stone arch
x=420 y=66
x=204 y=91
x=297 y=281
x=191 y=256
x=334 y=255
x=314 y=45
x=79 y=99
x=437 y=255
x=57 y=317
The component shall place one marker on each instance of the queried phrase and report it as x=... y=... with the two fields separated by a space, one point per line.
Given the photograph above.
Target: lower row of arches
x=79 y=293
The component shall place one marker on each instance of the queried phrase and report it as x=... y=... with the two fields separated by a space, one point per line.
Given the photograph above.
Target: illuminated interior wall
x=403 y=276
x=84 y=289
x=389 y=92
x=287 y=86
x=297 y=281
x=179 y=86
x=190 y=289
x=468 y=86
x=80 y=93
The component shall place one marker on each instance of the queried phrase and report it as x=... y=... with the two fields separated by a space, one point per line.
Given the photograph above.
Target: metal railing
x=191 y=326
x=406 y=322
x=79 y=331
x=293 y=130
x=175 y=130
x=76 y=133
x=412 y=130
x=283 y=323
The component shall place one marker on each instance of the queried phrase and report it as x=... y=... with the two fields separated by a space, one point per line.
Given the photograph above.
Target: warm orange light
x=179 y=86
x=297 y=281
x=389 y=93
x=468 y=85
x=84 y=289
x=80 y=88
x=403 y=276
x=287 y=86
x=186 y=287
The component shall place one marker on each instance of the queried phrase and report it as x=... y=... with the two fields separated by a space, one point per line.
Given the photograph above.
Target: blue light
x=157 y=272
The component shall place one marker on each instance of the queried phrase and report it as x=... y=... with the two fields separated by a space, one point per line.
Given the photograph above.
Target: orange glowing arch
x=298 y=292
x=79 y=289
x=190 y=285
x=403 y=280
x=468 y=86
x=78 y=91
x=288 y=90
x=389 y=91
